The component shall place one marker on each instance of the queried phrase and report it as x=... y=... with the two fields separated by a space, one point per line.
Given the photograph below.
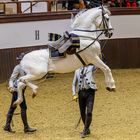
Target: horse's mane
x=74 y=19
x=79 y=13
x=107 y=10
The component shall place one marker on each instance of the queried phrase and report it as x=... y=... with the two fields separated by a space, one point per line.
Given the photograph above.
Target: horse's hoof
x=113 y=89
x=110 y=89
x=34 y=95
x=35 y=90
x=49 y=76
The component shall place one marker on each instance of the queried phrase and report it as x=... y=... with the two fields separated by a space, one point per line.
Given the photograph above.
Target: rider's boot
x=7 y=126
x=86 y=130
x=27 y=129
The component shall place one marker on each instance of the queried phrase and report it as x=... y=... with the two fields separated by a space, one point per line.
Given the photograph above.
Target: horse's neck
x=85 y=31
x=86 y=23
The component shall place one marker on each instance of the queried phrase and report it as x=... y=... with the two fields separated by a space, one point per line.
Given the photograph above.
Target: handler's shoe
x=85 y=133
x=8 y=129
x=29 y=130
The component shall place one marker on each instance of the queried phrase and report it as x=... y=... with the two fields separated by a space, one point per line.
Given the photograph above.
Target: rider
x=92 y=3
x=17 y=72
x=76 y=4
x=86 y=93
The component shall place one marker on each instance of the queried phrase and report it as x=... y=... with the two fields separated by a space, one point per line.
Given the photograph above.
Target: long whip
x=78 y=122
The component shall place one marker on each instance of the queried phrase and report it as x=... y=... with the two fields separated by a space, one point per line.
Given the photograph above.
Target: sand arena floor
x=116 y=115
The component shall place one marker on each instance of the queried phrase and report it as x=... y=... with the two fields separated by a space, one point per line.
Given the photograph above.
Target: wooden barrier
x=118 y=53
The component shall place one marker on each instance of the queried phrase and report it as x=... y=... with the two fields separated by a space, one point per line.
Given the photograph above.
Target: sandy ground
x=116 y=115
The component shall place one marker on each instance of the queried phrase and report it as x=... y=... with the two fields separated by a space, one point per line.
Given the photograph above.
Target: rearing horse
x=85 y=24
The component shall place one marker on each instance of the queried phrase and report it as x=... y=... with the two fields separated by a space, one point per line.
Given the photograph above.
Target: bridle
x=104 y=20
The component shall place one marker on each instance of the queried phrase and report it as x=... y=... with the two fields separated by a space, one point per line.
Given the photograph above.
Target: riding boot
x=86 y=130
x=7 y=126
x=27 y=129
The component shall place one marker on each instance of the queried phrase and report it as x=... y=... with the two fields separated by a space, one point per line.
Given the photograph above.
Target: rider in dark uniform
x=92 y=3
x=17 y=72
x=71 y=4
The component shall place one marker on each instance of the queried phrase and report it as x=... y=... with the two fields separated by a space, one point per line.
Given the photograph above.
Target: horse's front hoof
x=34 y=95
x=113 y=89
x=110 y=89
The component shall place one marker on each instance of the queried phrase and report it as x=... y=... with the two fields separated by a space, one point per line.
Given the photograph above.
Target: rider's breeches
x=86 y=102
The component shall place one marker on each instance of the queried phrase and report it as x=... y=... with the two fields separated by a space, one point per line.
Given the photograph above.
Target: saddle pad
x=75 y=41
x=53 y=36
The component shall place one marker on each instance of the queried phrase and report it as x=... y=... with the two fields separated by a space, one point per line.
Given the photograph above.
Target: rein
x=91 y=43
x=77 y=53
x=93 y=30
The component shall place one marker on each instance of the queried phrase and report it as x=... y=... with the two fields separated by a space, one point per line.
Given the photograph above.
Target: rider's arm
x=14 y=76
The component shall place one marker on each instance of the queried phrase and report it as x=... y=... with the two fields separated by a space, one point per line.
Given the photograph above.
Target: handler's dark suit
x=17 y=72
x=83 y=79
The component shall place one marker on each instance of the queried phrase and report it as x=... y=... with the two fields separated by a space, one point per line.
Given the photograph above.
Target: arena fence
x=122 y=53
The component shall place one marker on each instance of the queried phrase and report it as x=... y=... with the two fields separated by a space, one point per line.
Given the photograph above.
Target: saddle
x=56 y=54
x=59 y=45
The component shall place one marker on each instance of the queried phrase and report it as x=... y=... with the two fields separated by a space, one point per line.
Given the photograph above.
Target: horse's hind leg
x=20 y=88
x=26 y=80
x=109 y=81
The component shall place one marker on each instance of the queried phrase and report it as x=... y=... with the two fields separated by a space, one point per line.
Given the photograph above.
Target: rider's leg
x=23 y=106
x=10 y=113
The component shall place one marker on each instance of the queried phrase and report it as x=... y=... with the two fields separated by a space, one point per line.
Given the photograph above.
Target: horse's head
x=102 y=22
x=91 y=21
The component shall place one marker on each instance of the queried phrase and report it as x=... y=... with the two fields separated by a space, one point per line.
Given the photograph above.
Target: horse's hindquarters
x=36 y=62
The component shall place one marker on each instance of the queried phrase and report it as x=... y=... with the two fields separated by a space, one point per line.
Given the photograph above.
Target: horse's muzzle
x=108 y=34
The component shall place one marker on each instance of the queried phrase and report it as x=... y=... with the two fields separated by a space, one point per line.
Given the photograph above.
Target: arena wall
x=24 y=33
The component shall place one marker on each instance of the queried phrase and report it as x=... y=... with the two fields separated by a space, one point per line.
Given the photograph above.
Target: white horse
x=86 y=24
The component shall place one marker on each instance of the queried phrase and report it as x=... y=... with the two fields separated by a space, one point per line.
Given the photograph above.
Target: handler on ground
x=83 y=79
x=17 y=73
